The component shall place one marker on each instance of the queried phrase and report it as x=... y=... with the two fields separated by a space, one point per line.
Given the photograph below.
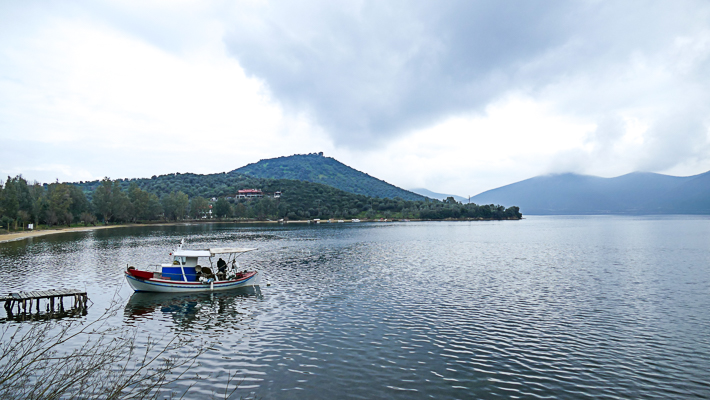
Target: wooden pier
x=53 y=297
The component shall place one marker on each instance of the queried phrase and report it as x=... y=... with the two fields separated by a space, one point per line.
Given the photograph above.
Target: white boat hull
x=168 y=286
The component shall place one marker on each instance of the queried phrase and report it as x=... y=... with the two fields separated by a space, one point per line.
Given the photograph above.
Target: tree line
x=162 y=199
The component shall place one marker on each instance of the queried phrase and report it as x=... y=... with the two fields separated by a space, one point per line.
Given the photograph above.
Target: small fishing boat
x=186 y=275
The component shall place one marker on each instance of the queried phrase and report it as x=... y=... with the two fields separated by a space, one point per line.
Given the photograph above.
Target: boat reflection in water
x=189 y=310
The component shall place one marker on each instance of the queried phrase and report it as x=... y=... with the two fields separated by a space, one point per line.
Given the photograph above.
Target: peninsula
x=230 y=196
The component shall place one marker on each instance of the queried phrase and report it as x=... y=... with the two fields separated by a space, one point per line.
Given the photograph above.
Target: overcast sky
x=454 y=96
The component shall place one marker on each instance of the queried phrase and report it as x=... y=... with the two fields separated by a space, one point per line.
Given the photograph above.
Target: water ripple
x=541 y=308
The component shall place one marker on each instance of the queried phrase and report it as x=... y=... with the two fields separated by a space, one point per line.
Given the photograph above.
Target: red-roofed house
x=249 y=193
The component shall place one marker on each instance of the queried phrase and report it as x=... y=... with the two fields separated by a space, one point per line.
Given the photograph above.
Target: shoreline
x=16 y=236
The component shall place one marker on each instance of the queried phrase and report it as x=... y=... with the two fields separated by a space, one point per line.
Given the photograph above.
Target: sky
x=457 y=97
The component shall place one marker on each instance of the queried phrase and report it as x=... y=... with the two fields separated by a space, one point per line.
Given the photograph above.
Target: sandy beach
x=14 y=236
x=11 y=237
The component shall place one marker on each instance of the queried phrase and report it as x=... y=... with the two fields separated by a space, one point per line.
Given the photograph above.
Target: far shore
x=15 y=236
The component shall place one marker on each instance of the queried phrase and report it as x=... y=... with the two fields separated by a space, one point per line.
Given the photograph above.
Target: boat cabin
x=186 y=264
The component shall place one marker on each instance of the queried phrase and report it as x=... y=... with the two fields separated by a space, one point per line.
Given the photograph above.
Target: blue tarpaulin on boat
x=175 y=273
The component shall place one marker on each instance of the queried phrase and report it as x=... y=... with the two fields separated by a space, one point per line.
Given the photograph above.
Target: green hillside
x=299 y=200
x=174 y=197
x=303 y=198
x=328 y=171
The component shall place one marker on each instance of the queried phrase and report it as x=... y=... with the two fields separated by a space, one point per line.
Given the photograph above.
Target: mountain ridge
x=633 y=193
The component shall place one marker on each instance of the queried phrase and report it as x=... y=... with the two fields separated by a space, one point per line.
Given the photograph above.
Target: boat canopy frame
x=233 y=253
x=211 y=252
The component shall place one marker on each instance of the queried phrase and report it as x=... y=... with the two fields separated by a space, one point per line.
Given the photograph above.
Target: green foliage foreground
x=177 y=197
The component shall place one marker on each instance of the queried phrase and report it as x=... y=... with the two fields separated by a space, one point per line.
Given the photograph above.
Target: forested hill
x=328 y=171
x=635 y=193
x=179 y=196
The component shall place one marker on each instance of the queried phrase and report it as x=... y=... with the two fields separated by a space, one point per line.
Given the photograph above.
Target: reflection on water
x=547 y=307
x=186 y=311
x=72 y=312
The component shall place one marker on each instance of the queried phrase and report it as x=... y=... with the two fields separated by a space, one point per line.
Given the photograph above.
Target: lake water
x=545 y=307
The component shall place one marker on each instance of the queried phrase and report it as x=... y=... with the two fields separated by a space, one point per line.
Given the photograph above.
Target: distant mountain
x=635 y=193
x=325 y=170
x=438 y=196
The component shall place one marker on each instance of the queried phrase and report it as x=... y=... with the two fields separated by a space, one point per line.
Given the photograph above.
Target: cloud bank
x=369 y=71
x=455 y=96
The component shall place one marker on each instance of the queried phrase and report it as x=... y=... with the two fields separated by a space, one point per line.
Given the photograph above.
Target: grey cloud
x=680 y=136
x=368 y=71
x=384 y=68
x=390 y=67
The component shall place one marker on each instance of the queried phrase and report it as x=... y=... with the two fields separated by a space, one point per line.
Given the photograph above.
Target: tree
x=23 y=193
x=450 y=200
x=68 y=218
x=2 y=189
x=144 y=205
x=175 y=205
x=139 y=202
x=222 y=208
x=111 y=202
x=199 y=207
x=88 y=218
x=23 y=216
x=60 y=200
x=10 y=202
x=240 y=210
x=6 y=221
x=102 y=199
x=120 y=203
x=79 y=203
x=38 y=202
x=51 y=217
x=155 y=209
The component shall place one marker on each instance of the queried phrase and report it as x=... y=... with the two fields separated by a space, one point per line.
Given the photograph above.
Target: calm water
x=546 y=307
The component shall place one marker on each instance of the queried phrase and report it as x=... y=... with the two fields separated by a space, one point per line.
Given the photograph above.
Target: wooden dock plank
x=42 y=294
